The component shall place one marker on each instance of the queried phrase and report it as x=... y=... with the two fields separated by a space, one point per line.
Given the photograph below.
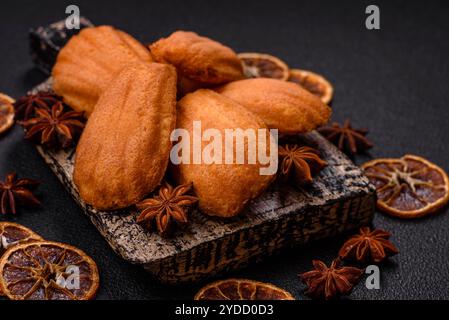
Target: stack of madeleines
x=134 y=97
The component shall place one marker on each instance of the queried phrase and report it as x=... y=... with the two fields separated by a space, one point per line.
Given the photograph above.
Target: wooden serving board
x=339 y=200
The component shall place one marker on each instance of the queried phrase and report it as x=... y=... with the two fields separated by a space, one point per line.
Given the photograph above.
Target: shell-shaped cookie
x=281 y=105
x=87 y=63
x=124 y=150
x=140 y=50
x=198 y=58
x=223 y=189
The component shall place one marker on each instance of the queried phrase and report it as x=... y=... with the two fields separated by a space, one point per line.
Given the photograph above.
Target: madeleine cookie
x=124 y=150
x=88 y=62
x=223 y=189
x=198 y=58
x=281 y=105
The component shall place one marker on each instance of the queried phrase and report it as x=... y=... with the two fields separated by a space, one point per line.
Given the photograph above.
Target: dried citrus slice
x=408 y=187
x=6 y=112
x=12 y=234
x=260 y=65
x=6 y=98
x=313 y=83
x=242 y=289
x=46 y=270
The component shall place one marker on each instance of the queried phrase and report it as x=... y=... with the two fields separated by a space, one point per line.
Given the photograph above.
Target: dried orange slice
x=260 y=65
x=6 y=98
x=313 y=83
x=6 y=112
x=408 y=187
x=46 y=270
x=12 y=234
x=242 y=289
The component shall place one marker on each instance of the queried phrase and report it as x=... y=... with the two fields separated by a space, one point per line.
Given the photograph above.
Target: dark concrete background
x=393 y=81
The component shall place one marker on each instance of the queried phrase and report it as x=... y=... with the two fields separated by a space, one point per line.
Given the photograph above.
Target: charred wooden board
x=339 y=200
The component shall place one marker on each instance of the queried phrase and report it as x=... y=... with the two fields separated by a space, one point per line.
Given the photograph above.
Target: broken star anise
x=330 y=283
x=54 y=128
x=299 y=163
x=26 y=105
x=368 y=246
x=169 y=206
x=14 y=190
x=346 y=138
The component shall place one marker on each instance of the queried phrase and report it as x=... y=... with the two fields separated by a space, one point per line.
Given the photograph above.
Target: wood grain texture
x=340 y=199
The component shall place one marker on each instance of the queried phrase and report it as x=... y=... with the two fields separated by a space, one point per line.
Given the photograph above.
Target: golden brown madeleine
x=198 y=58
x=124 y=150
x=139 y=49
x=282 y=105
x=88 y=62
x=223 y=189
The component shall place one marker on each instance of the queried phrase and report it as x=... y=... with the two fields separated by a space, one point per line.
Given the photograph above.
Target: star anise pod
x=299 y=163
x=26 y=105
x=14 y=190
x=54 y=128
x=169 y=206
x=346 y=138
x=330 y=283
x=368 y=246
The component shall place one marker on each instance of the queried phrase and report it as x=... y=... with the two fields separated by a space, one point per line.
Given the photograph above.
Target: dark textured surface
x=393 y=81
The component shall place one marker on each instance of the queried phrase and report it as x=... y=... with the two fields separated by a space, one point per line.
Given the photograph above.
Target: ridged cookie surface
x=223 y=190
x=88 y=62
x=281 y=105
x=140 y=50
x=198 y=58
x=124 y=150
